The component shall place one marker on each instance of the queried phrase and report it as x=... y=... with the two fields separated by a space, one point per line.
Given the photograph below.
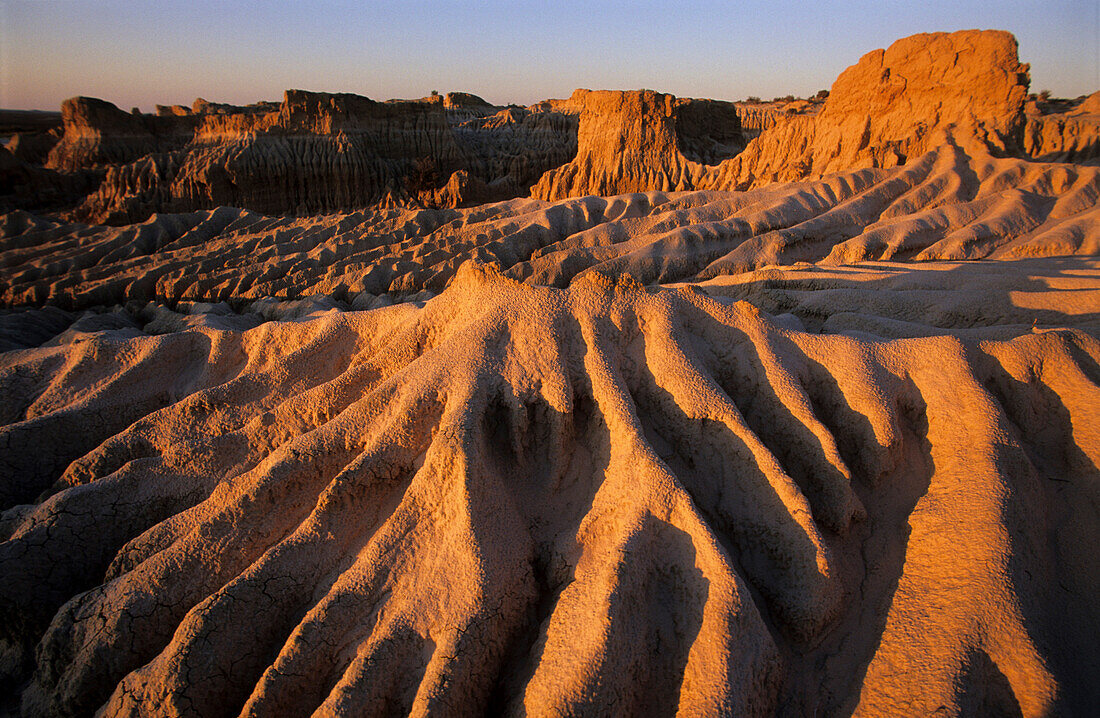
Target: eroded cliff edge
x=320 y=152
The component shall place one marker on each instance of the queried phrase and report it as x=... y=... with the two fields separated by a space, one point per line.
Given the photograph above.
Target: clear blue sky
x=144 y=52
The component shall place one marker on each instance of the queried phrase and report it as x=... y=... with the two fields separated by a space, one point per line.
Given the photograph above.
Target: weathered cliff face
x=895 y=104
x=314 y=152
x=510 y=149
x=632 y=141
x=318 y=152
x=98 y=134
x=755 y=118
x=1072 y=136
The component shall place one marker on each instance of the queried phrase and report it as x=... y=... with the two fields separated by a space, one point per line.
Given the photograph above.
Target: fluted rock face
x=895 y=104
x=755 y=118
x=512 y=148
x=317 y=152
x=632 y=141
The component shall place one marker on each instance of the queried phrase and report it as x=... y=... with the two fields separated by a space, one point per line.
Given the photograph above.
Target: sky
x=144 y=52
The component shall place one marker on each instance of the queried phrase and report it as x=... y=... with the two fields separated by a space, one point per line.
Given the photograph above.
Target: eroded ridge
x=949 y=204
x=529 y=500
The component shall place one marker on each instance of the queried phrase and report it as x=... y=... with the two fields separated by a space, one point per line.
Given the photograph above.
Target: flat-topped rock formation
x=895 y=105
x=891 y=107
x=637 y=141
x=318 y=152
x=314 y=152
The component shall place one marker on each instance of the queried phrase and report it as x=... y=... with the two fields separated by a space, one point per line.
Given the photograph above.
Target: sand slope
x=522 y=499
x=948 y=204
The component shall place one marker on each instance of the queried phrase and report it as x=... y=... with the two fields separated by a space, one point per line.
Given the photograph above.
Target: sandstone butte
x=622 y=404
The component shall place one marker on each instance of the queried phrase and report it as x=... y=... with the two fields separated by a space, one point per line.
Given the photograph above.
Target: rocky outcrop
x=33 y=147
x=461 y=106
x=319 y=152
x=98 y=134
x=633 y=141
x=316 y=152
x=893 y=105
x=755 y=117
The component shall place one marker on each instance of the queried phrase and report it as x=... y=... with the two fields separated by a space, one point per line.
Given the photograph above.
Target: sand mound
x=948 y=204
x=974 y=300
x=521 y=499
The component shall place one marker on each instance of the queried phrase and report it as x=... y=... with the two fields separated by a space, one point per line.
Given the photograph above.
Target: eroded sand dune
x=947 y=204
x=517 y=499
x=559 y=467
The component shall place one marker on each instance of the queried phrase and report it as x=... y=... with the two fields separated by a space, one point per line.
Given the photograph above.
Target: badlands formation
x=624 y=404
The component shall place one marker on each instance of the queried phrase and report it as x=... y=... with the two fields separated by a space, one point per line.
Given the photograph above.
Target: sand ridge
x=789 y=499
x=949 y=204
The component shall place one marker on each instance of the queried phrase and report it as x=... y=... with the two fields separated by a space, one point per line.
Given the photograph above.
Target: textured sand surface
x=947 y=204
x=808 y=426
x=516 y=498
